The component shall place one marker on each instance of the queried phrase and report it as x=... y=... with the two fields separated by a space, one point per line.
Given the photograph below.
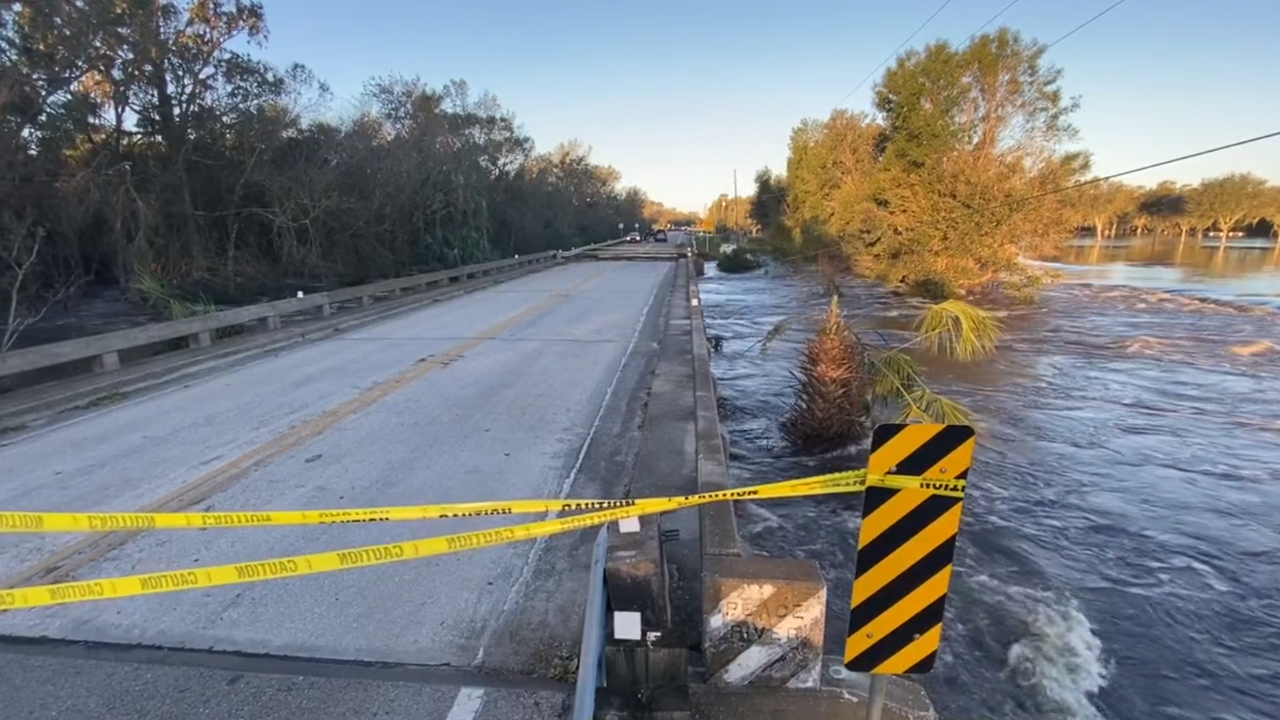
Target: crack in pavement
x=286 y=665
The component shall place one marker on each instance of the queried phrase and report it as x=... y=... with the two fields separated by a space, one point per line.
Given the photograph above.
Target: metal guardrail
x=591 y=652
x=104 y=348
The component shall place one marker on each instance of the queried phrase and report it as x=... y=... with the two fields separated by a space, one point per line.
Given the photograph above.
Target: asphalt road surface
x=516 y=391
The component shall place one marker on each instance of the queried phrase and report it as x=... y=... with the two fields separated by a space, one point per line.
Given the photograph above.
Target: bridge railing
x=591 y=652
x=104 y=349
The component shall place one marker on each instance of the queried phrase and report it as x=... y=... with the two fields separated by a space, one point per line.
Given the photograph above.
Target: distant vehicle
x=660 y=236
x=633 y=237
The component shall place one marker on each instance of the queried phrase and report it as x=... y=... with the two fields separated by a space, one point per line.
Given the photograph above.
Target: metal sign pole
x=875 y=696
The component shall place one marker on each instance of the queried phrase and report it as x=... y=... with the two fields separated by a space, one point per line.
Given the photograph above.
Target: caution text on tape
x=315 y=563
x=55 y=522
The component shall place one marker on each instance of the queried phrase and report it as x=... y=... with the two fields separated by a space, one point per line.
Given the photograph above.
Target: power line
x=1086 y=23
x=894 y=54
x=1071 y=32
x=1114 y=176
x=994 y=18
x=1095 y=181
x=1152 y=166
x=974 y=34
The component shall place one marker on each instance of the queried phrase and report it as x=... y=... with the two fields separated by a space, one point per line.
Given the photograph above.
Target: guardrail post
x=273 y=322
x=200 y=340
x=366 y=300
x=646 y=665
x=326 y=310
x=106 y=362
x=637 y=573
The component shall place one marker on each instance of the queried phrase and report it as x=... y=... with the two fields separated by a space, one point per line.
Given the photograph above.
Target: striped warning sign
x=905 y=549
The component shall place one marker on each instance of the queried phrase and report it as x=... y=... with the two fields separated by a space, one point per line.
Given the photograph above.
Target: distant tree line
x=1231 y=203
x=136 y=138
x=727 y=213
x=659 y=215
x=956 y=175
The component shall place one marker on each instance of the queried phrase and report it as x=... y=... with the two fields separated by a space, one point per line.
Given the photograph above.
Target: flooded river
x=1120 y=554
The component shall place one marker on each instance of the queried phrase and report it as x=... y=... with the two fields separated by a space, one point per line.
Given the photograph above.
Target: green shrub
x=738 y=260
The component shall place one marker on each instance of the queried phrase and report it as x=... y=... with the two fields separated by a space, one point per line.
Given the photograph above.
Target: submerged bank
x=1118 y=553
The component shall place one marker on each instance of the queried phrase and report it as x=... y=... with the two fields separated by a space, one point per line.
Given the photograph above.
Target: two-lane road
x=515 y=391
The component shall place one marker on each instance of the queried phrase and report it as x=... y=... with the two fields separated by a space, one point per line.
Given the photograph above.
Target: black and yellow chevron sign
x=905 y=549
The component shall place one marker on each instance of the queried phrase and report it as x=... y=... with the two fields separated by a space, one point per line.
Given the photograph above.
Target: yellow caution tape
x=53 y=522
x=298 y=565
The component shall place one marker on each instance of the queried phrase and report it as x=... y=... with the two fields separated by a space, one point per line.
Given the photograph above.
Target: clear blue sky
x=676 y=95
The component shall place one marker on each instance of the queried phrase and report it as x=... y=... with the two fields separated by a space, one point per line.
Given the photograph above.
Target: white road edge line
x=467 y=705
x=567 y=485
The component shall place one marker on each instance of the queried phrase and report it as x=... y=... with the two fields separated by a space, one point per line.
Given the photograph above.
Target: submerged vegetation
x=738 y=260
x=842 y=380
x=833 y=386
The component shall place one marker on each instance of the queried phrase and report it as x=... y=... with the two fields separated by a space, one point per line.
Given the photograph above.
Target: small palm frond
x=959 y=330
x=203 y=305
x=780 y=328
x=924 y=405
x=158 y=295
x=894 y=375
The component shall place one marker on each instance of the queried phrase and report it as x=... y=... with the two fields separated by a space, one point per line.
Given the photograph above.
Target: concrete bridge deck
x=557 y=375
x=530 y=388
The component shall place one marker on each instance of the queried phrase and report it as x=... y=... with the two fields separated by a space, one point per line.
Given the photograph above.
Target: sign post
x=620 y=228
x=875 y=696
x=906 y=546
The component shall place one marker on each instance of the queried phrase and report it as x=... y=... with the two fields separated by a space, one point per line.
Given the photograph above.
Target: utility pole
x=735 y=200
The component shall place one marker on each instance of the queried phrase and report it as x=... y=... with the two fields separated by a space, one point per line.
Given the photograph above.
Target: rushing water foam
x=1059 y=658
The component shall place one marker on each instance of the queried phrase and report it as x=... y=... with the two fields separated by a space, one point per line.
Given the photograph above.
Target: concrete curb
x=30 y=406
x=719 y=524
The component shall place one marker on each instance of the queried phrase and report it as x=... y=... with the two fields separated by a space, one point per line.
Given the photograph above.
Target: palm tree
x=841 y=378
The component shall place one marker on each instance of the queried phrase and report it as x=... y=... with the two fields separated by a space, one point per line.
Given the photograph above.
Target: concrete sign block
x=763 y=621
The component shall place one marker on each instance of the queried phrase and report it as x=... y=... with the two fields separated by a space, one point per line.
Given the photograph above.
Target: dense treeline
x=955 y=176
x=135 y=139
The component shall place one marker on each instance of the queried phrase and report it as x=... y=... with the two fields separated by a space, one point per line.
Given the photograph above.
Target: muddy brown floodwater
x=1120 y=553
